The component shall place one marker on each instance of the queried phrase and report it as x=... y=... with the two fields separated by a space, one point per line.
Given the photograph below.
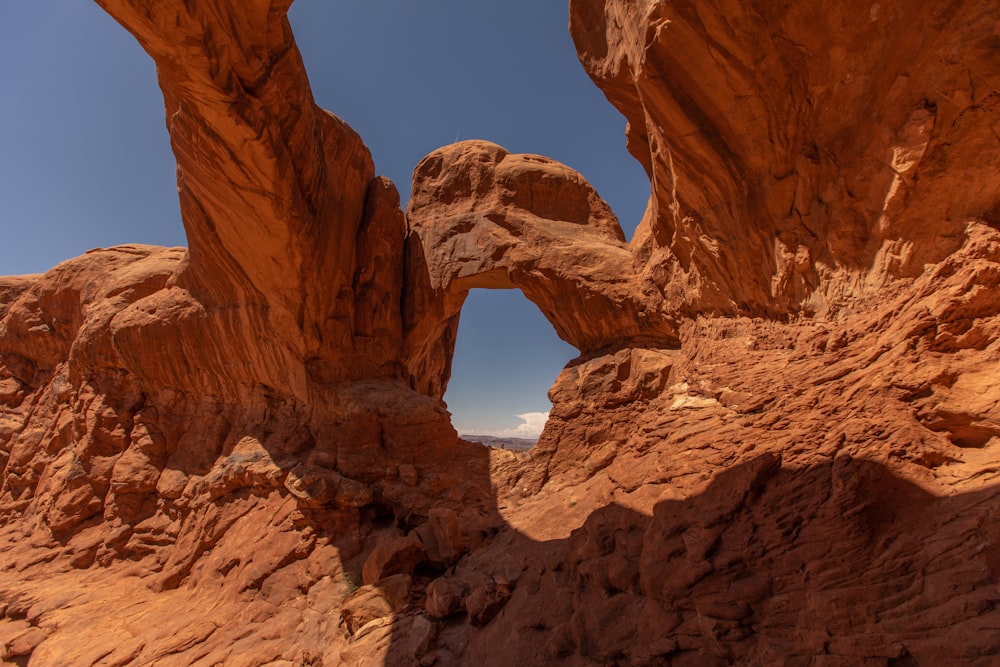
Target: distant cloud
x=532 y=427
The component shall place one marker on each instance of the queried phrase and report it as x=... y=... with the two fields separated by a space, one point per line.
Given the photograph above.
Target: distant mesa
x=513 y=444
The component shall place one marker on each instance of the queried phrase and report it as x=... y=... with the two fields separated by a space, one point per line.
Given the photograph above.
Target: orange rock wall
x=778 y=446
x=799 y=155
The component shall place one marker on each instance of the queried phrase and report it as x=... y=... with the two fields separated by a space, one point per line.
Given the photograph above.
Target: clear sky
x=85 y=159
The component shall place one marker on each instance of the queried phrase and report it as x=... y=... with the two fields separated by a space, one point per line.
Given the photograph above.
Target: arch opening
x=507 y=355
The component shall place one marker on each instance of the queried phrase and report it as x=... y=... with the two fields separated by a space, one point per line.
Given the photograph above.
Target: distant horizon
x=510 y=444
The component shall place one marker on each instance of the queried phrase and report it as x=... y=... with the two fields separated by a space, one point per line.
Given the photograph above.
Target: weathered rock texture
x=779 y=445
x=802 y=155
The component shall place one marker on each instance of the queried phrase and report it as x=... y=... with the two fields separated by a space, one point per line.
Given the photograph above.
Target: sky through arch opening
x=507 y=355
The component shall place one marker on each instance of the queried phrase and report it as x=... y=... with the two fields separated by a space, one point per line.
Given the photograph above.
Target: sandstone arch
x=810 y=477
x=486 y=218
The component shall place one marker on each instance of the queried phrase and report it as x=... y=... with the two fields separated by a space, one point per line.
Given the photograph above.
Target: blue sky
x=85 y=160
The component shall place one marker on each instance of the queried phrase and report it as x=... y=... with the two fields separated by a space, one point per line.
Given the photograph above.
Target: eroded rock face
x=483 y=218
x=778 y=446
x=236 y=413
x=285 y=218
x=800 y=156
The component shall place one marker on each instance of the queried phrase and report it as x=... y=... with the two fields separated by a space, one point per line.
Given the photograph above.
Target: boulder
x=373 y=601
x=393 y=554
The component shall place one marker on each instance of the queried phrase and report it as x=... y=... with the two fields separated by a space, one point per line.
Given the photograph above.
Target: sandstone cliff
x=779 y=444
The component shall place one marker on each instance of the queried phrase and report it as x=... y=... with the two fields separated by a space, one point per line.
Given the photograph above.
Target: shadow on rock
x=841 y=563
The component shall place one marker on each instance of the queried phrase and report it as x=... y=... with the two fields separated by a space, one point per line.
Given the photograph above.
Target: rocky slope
x=778 y=446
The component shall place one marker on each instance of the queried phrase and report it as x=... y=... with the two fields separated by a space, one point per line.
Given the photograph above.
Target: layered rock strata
x=779 y=444
x=799 y=156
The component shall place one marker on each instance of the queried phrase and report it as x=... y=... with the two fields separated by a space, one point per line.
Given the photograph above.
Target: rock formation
x=779 y=444
x=799 y=156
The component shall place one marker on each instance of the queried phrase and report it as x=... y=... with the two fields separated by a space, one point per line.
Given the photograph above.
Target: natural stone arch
x=481 y=217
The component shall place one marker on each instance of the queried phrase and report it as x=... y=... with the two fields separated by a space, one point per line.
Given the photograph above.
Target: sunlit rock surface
x=779 y=445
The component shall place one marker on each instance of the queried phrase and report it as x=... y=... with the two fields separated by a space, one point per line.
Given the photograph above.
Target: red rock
x=393 y=554
x=484 y=602
x=318 y=487
x=408 y=474
x=392 y=642
x=23 y=639
x=778 y=446
x=10 y=391
x=526 y=222
x=442 y=536
x=710 y=130
x=445 y=597
x=374 y=601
